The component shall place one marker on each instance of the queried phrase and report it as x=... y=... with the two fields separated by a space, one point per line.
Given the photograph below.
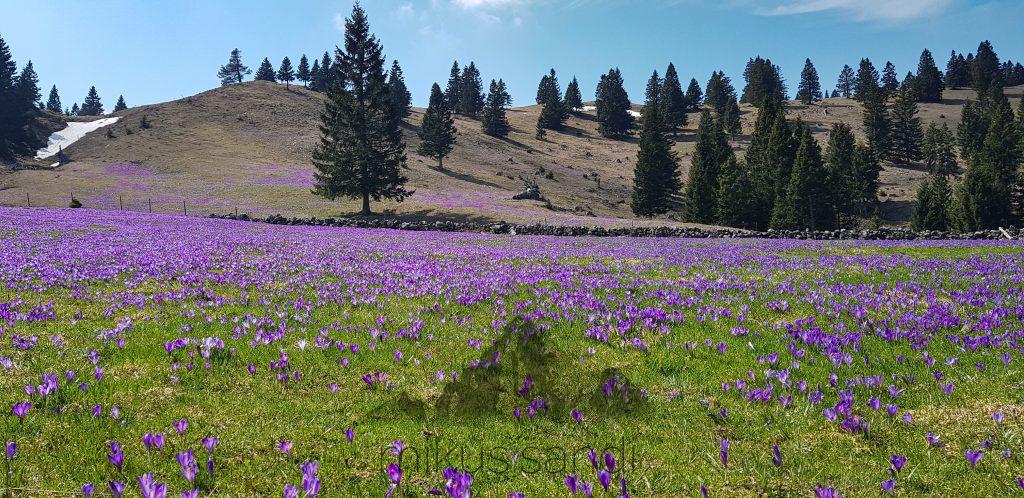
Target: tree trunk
x=366 y=203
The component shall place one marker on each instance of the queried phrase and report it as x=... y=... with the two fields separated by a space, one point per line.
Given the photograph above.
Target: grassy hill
x=247 y=147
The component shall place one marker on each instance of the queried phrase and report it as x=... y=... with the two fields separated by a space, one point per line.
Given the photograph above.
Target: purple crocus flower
x=310 y=481
x=21 y=409
x=609 y=461
x=87 y=489
x=889 y=486
x=998 y=417
x=776 y=456
x=187 y=461
x=1020 y=482
x=149 y=488
x=285 y=447
x=10 y=449
x=604 y=478
x=973 y=456
x=933 y=440
x=572 y=482
x=116 y=455
x=192 y=493
x=457 y=484
x=826 y=492
x=577 y=416
x=210 y=443
x=897 y=462
x=395 y=475
x=724 y=452
x=292 y=491
x=350 y=434
x=117 y=488
x=180 y=426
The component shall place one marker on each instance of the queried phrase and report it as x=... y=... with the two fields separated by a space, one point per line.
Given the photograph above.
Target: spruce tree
x=495 y=120
x=982 y=200
x=937 y=150
x=866 y=170
x=328 y=73
x=453 y=92
x=731 y=118
x=1000 y=150
x=763 y=162
x=958 y=71
x=573 y=97
x=398 y=94
x=973 y=128
x=613 y=106
x=656 y=174
x=841 y=174
x=905 y=132
x=807 y=203
x=361 y=153
x=27 y=88
x=876 y=122
x=931 y=211
x=810 y=88
x=929 y=79
x=265 y=72
x=74 y=110
x=985 y=68
x=552 y=114
x=847 y=82
x=53 y=103
x=694 y=95
x=890 y=82
x=673 y=101
x=764 y=81
x=92 y=105
x=719 y=90
x=437 y=135
x=867 y=81
x=302 y=72
x=711 y=151
x=314 y=77
x=11 y=119
x=548 y=86
x=234 y=71
x=471 y=94
x=286 y=73
x=737 y=201
x=120 y=105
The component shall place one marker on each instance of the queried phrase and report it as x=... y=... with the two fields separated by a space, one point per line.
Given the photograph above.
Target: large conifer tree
x=764 y=81
x=10 y=115
x=437 y=135
x=234 y=71
x=929 y=79
x=890 y=82
x=399 y=97
x=302 y=72
x=905 y=133
x=807 y=203
x=984 y=68
x=361 y=152
x=314 y=76
x=613 y=106
x=694 y=95
x=573 y=97
x=718 y=92
x=656 y=174
x=847 y=82
x=867 y=81
x=673 y=101
x=810 y=87
x=453 y=92
x=876 y=122
x=266 y=71
x=931 y=211
x=286 y=72
x=120 y=105
x=91 y=106
x=937 y=150
x=53 y=103
x=710 y=153
x=495 y=120
x=471 y=94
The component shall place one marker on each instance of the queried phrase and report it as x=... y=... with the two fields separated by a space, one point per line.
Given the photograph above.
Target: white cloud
x=862 y=10
x=339 y=22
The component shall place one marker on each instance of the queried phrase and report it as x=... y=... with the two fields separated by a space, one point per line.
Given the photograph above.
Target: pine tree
x=656 y=174
x=958 y=71
x=234 y=71
x=876 y=123
x=719 y=90
x=673 y=101
x=1000 y=150
x=938 y=151
x=905 y=132
x=764 y=161
x=361 y=153
x=120 y=105
x=928 y=80
x=453 y=92
x=286 y=73
x=552 y=114
x=438 y=132
x=841 y=174
x=495 y=120
x=932 y=208
x=302 y=74
x=53 y=103
x=810 y=88
x=866 y=170
x=694 y=95
x=807 y=201
x=890 y=82
x=314 y=77
x=985 y=68
x=573 y=97
x=737 y=202
x=398 y=94
x=972 y=129
x=471 y=94
x=982 y=201
x=74 y=110
x=764 y=81
x=328 y=73
x=710 y=153
x=548 y=86
x=91 y=106
x=847 y=82
x=265 y=72
x=867 y=80
x=613 y=106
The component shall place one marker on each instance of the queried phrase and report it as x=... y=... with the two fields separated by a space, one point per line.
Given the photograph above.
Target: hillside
x=247 y=147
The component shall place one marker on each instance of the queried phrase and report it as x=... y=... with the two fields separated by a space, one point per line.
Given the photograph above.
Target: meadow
x=155 y=355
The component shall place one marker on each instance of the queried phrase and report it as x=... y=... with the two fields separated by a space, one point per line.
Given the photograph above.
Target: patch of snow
x=635 y=114
x=74 y=131
x=54 y=165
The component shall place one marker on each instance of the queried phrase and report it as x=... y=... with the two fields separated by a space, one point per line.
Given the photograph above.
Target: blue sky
x=157 y=51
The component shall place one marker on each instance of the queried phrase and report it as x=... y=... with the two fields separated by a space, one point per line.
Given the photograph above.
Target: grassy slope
x=247 y=147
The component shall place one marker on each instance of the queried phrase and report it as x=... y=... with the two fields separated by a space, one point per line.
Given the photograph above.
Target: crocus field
x=151 y=355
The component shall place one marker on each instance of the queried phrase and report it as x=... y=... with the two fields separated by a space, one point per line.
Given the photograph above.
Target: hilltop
x=247 y=147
